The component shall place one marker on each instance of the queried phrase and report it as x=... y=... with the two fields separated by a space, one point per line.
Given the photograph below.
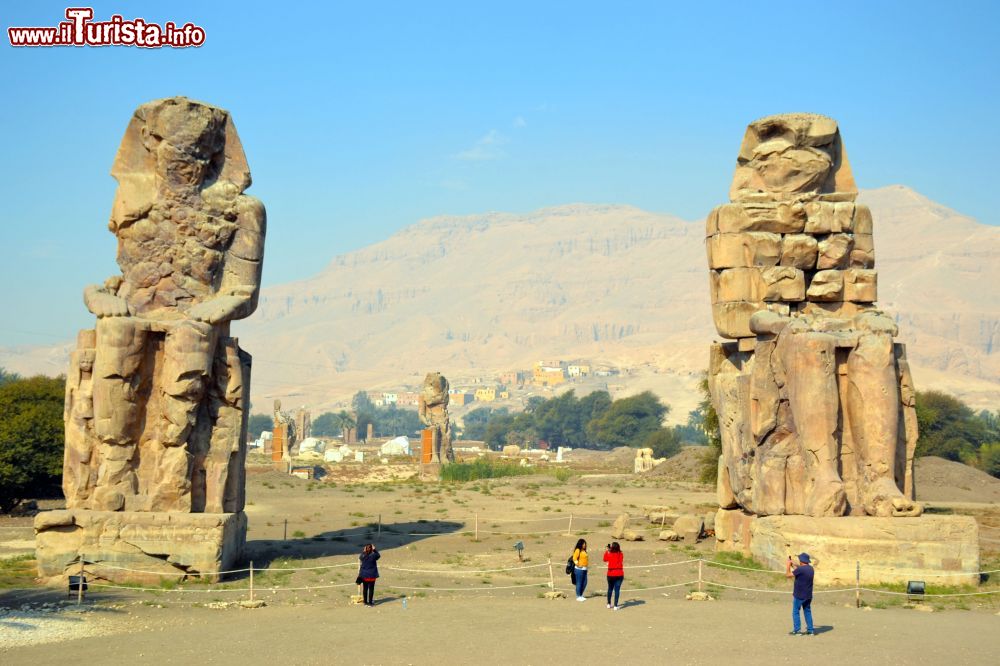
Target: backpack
x=569 y=565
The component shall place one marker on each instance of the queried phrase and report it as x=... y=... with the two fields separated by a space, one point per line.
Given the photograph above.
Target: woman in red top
x=616 y=573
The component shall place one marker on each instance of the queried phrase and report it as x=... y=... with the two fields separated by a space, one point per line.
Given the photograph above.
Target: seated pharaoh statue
x=157 y=394
x=814 y=397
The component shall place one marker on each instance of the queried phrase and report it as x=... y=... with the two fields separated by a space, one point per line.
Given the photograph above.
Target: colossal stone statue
x=156 y=395
x=815 y=401
x=433 y=411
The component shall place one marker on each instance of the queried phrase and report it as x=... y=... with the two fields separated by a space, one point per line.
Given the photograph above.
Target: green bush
x=481 y=468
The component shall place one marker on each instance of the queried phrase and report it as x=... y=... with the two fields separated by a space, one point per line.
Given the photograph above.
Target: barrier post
x=857 y=585
x=552 y=583
x=699 y=575
x=251 y=581
x=379 y=533
x=477 y=527
x=285 y=538
x=79 y=584
x=569 y=530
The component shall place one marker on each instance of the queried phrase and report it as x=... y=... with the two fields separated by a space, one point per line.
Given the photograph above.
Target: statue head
x=175 y=144
x=790 y=155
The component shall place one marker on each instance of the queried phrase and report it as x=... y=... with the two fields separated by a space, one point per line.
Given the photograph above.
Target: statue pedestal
x=430 y=471
x=889 y=550
x=169 y=545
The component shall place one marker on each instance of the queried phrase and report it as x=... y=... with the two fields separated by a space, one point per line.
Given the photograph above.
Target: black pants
x=368 y=592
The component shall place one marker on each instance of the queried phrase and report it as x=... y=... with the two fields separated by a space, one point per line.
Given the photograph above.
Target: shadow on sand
x=349 y=541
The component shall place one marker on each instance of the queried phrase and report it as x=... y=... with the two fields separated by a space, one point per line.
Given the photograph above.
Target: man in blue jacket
x=802 y=594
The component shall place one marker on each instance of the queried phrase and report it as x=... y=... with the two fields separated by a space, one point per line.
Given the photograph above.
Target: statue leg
x=188 y=354
x=809 y=362
x=873 y=404
x=120 y=349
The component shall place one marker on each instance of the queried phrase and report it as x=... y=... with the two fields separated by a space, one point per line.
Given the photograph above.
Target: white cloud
x=520 y=122
x=487 y=147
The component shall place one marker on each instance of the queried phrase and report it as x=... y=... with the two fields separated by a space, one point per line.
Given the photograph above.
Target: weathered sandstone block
x=799 y=251
x=826 y=286
x=942 y=549
x=156 y=546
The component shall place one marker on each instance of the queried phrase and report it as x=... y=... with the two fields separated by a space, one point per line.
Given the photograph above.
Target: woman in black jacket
x=368 y=573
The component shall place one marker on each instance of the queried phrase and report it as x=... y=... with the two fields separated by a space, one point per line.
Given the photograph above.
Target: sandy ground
x=430 y=550
x=529 y=631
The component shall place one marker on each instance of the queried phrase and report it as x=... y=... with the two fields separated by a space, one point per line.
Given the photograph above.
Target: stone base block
x=732 y=531
x=941 y=550
x=166 y=546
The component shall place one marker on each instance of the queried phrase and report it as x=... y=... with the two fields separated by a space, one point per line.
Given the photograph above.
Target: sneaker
x=616 y=607
x=581 y=598
x=794 y=633
x=810 y=633
x=608 y=606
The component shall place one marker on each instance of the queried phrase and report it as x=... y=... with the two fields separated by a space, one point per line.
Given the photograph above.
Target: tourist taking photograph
x=616 y=572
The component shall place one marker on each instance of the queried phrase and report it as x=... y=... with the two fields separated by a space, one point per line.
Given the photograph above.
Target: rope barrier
x=167 y=590
x=465 y=571
x=952 y=594
x=465 y=589
x=102 y=565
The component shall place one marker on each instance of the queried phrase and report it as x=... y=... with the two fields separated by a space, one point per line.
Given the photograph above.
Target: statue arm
x=240 y=286
x=102 y=300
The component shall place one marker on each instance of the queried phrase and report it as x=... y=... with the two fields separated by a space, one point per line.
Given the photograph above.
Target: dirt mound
x=685 y=466
x=618 y=458
x=940 y=480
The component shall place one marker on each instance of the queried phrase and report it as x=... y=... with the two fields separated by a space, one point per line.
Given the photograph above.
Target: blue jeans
x=806 y=606
x=615 y=585
x=581 y=581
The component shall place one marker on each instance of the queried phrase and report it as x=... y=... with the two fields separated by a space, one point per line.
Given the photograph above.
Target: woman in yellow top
x=580 y=562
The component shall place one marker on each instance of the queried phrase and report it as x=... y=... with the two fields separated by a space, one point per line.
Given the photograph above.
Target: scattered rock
x=690 y=526
x=256 y=603
x=620 y=529
x=669 y=535
x=554 y=594
x=699 y=596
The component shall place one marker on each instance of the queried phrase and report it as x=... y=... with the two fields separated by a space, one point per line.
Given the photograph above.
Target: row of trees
x=31 y=437
x=594 y=421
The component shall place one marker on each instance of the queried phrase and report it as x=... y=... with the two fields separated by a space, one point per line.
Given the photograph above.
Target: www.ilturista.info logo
x=81 y=30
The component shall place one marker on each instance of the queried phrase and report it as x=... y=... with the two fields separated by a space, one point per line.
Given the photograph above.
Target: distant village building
x=408 y=399
x=486 y=394
x=390 y=398
x=512 y=378
x=578 y=370
x=548 y=373
x=459 y=398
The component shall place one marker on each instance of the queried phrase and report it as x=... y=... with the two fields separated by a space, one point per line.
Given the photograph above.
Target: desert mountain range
x=611 y=284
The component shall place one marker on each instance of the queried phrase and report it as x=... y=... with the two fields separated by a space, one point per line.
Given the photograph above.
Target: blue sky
x=361 y=118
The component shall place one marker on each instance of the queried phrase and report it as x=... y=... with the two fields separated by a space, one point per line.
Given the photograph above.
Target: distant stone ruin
x=814 y=396
x=285 y=433
x=157 y=393
x=433 y=411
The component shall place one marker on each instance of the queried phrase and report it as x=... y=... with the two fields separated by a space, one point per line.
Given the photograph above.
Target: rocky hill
x=474 y=295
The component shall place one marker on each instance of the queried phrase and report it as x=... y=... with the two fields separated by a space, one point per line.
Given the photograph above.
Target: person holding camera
x=580 y=562
x=802 y=593
x=368 y=573
x=616 y=572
